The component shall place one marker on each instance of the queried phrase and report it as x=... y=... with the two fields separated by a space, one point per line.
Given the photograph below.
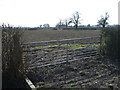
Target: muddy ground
x=86 y=73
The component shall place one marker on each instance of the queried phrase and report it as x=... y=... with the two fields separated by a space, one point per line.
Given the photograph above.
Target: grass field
x=72 y=46
x=46 y=35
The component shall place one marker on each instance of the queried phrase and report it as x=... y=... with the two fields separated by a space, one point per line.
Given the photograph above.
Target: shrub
x=110 y=43
x=12 y=62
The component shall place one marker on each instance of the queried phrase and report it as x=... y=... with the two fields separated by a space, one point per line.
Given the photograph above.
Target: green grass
x=78 y=46
x=70 y=46
x=70 y=80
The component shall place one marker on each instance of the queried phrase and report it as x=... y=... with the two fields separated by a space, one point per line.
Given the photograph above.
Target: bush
x=12 y=62
x=110 y=43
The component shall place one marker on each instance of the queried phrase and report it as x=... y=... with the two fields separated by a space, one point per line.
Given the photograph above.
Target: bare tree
x=59 y=24
x=75 y=19
x=46 y=25
x=103 y=21
x=40 y=26
x=66 y=21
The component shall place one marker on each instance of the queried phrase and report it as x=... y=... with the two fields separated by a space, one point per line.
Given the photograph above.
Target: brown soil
x=89 y=73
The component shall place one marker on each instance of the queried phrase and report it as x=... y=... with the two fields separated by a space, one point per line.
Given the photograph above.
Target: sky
x=32 y=13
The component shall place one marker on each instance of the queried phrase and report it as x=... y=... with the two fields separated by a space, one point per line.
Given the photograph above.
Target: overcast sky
x=32 y=13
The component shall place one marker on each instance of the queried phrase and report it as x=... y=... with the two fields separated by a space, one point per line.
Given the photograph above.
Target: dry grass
x=45 y=35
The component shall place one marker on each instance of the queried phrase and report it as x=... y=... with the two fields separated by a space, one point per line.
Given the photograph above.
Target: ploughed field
x=46 y=35
x=83 y=73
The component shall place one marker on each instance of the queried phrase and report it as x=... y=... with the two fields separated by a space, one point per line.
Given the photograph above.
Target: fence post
x=67 y=52
x=73 y=50
x=58 y=44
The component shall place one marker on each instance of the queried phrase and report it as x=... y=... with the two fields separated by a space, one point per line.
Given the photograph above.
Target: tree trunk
x=76 y=26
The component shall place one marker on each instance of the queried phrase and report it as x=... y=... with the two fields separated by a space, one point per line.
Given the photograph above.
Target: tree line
x=76 y=20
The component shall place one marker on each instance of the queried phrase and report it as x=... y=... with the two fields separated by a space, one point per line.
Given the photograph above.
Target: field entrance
x=68 y=63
